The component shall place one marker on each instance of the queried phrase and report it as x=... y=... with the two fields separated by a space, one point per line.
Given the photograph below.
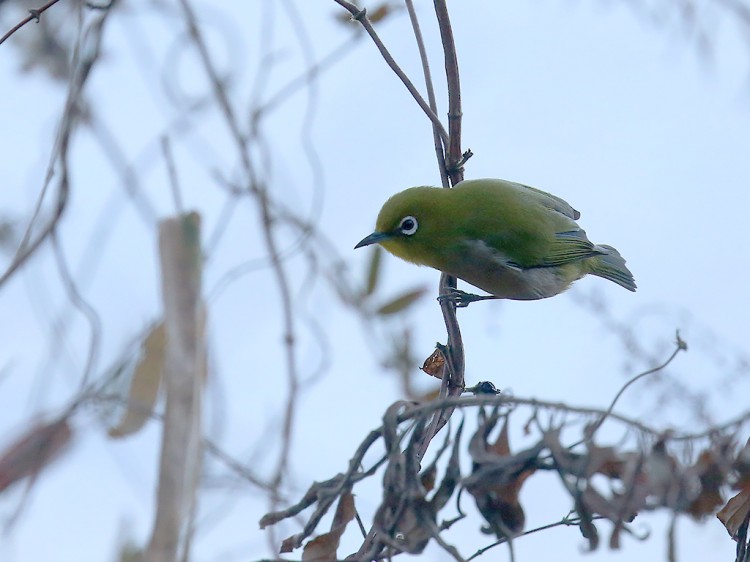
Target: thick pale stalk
x=184 y=373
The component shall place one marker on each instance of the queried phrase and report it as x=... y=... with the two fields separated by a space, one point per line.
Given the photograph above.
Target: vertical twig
x=184 y=373
x=453 y=158
x=453 y=379
x=439 y=147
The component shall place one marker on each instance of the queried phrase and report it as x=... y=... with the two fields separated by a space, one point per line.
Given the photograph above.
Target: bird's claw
x=483 y=387
x=462 y=299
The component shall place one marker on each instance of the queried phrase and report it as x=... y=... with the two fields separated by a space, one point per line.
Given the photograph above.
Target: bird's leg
x=463 y=299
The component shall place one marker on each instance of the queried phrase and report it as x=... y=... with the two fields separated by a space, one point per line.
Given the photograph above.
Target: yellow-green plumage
x=509 y=239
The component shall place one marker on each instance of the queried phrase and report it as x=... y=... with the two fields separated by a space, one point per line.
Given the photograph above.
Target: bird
x=508 y=239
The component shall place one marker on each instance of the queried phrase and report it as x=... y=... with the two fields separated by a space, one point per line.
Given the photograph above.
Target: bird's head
x=408 y=225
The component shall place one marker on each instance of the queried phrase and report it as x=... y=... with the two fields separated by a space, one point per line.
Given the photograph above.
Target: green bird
x=511 y=240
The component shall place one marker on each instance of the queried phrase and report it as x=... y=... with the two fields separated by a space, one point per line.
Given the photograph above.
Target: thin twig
x=34 y=15
x=83 y=307
x=454 y=155
x=439 y=147
x=255 y=187
x=454 y=375
x=360 y=14
x=565 y=521
x=680 y=346
x=83 y=66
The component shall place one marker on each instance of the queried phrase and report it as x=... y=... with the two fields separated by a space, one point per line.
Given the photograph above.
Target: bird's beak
x=374 y=238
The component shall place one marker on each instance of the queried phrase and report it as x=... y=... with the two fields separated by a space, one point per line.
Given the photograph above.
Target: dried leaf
x=324 y=547
x=604 y=460
x=379 y=13
x=427 y=477
x=712 y=477
x=144 y=386
x=586 y=522
x=401 y=302
x=33 y=451
x=373 y=270
x=736 y=513
x=289 y=544
x=434 y=365
x=496 y=494
x=345 y=512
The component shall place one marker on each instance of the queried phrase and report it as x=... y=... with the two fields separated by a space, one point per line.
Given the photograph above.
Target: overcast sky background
x=621 y=114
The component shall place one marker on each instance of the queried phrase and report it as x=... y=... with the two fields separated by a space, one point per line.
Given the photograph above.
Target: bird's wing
x=479 y=252
x=552 y=202
x=569 y=247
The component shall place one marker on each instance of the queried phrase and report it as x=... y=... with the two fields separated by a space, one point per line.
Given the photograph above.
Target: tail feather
x=611 y=265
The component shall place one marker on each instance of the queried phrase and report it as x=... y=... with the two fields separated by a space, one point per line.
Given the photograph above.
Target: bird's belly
x=492 y=272
x=526 y=284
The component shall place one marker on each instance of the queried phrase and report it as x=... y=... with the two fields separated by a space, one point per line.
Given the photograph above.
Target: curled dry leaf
x=497 y=484
x=382 y=11
x=324 y=547
x=427 y=477
x=144 y=386
x=712 y=474
x=434 y=365
x=33 y=451
x=736 y=514
x=375 y=14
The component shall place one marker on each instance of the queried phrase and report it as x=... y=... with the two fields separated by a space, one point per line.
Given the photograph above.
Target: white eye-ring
x=408 y=225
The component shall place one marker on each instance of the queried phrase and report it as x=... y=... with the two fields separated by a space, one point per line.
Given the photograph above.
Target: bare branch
x=360 y=14
x=34 y=15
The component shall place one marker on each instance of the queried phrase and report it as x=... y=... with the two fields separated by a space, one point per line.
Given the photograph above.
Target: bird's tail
x=611 y=265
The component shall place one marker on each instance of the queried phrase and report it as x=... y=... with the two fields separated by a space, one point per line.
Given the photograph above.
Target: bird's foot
x=462 y=299
x=483 y=387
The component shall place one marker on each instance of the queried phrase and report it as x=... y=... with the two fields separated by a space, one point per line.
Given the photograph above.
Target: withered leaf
x=712 y=477
x=586 y=522
x=434 y=365
x=324 y=547
x=736 y=513
x=401 y=302
x=33 y=451
x=289 y=544
x=427 y=477
x=604 y=460
x=382 y=11
x=496 y=493
x=144 y=386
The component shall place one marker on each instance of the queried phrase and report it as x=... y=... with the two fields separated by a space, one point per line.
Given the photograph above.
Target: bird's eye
x=408 y=226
